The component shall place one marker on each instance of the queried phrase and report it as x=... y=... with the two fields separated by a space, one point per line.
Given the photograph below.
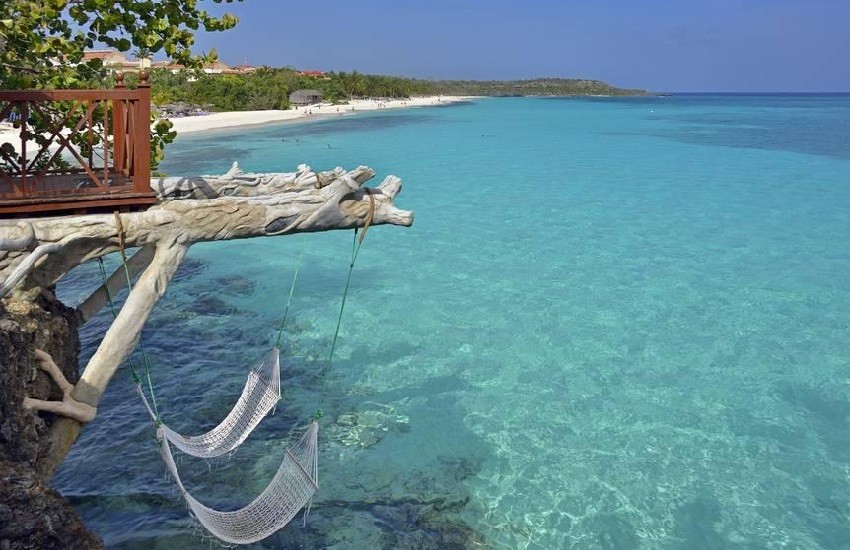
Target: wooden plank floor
x=70 y=193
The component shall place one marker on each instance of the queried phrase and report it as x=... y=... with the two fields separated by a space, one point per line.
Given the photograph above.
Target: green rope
x=291 y=291
x=145 y=361
x=133 y=372
x=355 y=251
x=106 y=287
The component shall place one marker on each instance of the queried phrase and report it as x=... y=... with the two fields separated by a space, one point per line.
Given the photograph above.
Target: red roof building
x=112 y=59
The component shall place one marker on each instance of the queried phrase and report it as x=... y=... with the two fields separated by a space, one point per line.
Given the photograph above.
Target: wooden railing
x=76 y=144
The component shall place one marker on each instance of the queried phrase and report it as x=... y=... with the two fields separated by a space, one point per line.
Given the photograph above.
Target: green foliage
x=161 y=135
x=341 y=86
x=269 y=88
x=42 y=41
x=536 y=87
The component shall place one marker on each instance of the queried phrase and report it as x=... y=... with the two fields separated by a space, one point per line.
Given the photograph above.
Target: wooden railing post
x=25 y=115
x=119 y=129
x=142 y=137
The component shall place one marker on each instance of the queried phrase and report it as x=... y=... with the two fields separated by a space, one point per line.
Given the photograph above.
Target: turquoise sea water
x=614 y=324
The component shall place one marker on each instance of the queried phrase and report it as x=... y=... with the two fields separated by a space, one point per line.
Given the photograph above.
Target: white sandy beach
x=215 y=121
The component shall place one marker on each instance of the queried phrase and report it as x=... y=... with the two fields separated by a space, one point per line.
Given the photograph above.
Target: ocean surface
x=615 y=323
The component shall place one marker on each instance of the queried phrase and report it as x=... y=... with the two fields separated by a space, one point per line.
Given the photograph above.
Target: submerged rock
x=235 y=285
x=211 y=305
x=408 y=524
x=189 y=268
x=363 y=429
x=421 y=527
x=347 y=420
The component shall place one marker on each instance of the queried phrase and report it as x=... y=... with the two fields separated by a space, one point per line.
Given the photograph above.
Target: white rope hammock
x=292 y=487
x=260 y=395
x=296 y=480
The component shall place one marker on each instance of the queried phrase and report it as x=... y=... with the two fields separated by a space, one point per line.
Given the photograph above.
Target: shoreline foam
x=235 y=119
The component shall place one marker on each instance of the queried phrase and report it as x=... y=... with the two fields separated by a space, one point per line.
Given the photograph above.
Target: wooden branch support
x=255 y=205
x=68 y=407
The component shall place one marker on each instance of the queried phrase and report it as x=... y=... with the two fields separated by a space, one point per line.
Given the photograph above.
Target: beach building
x=315 y=74
x=112 y=59
x=245 y=69
x=117 y=61
x=171 y=66
x=299 y=98
x=216 y=67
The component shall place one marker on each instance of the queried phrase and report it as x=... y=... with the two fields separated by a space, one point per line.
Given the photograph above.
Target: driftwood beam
x=236 y=183
x=267 y=205
x=22 y=242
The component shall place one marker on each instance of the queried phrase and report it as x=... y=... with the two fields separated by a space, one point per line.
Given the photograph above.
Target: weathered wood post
x=119 y=129
x=141 y=137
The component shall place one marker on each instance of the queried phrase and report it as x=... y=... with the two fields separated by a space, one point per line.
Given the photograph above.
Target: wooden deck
x=62 y=195
x=93 y=152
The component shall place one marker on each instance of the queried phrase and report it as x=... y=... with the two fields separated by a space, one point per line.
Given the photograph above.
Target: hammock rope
x=291 y=291
x=145 y=362
x=356 y=245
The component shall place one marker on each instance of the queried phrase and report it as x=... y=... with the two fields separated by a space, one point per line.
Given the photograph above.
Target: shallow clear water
x=614 y=324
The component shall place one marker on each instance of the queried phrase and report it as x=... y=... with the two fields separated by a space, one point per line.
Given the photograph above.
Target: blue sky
x=660 y=45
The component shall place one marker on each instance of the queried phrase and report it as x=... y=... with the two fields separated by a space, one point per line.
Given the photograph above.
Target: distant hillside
x=536 y=87
x=268 y=88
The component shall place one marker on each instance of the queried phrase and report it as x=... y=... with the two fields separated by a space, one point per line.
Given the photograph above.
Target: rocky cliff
x=32 y=514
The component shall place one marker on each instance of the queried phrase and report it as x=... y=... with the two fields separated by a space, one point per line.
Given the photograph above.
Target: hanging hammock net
x=292 y=487
x=296 y=480
x=260 y=395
